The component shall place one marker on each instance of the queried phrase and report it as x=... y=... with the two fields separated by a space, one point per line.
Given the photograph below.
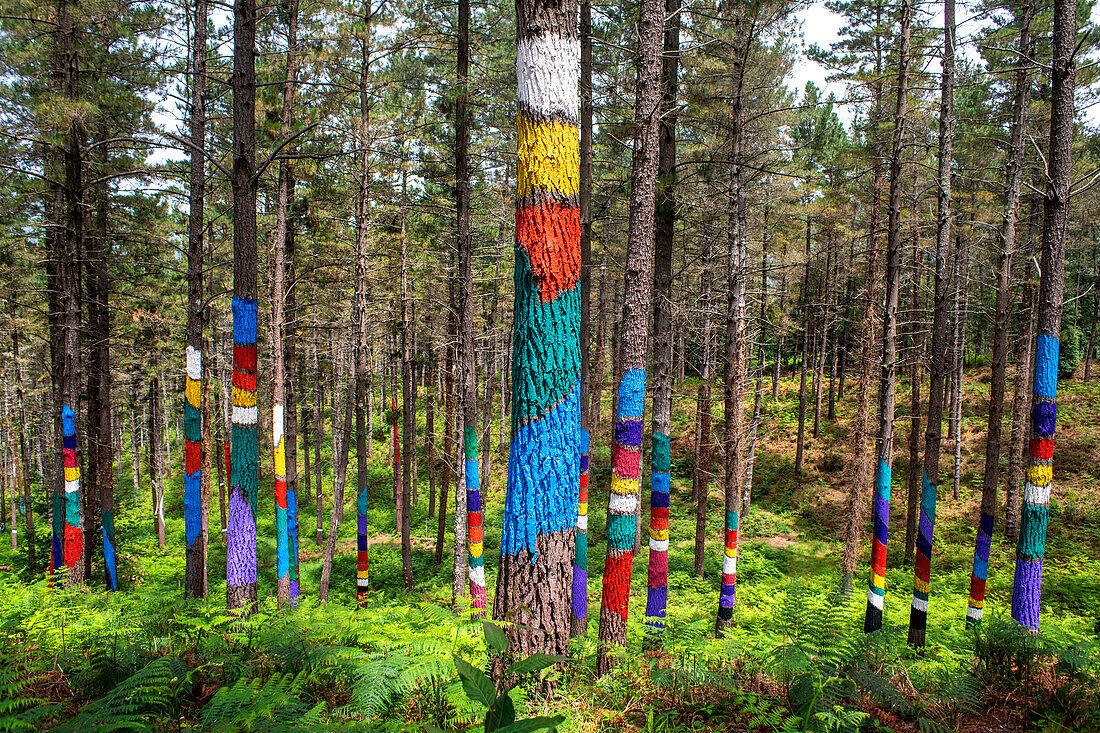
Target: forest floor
x=795 y=660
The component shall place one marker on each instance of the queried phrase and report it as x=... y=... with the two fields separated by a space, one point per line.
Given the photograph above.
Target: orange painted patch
x=550 y=234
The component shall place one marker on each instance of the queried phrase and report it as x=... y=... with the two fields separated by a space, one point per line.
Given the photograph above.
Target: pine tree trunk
x=665 y=207
x=244 y=475
x=701 y=474
x=193 y=427
x=24 y=458
x=916 y=367
x=535 y=572
x=1031 y=546
x=1013 y=184
x=885 y=441
x=623 y=501
x=800 y=440
x=341 y=442
x=408 y=406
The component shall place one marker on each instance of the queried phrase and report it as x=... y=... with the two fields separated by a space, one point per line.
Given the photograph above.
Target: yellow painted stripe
x=362 y=574
x=243 y=398
x=975 y=603
x=623 y=486
x=878 y=581
x=72 y=474
x=475 y=549
x=658 y=534
x=582 y=508
x=731 y=552
x=1040 y=475
x=280 y=459
x=548 y=157
x=920 y=585
x=191 y=391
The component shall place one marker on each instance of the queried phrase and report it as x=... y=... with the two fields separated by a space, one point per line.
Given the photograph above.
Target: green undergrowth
x=795 y=660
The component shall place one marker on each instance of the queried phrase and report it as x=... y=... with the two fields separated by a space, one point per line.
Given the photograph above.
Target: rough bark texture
x=885 y=442
x=24 y=457
x=361 y=353
x=193 y=428
x=1013 y=184
x=466 y=354
x=408 y=410
x=623 y=503
x=918 y=613
x=701 y=474
x=800 y=439
x=244 y=476
x=661 y=466
x=1031 y=546
x=540 y=507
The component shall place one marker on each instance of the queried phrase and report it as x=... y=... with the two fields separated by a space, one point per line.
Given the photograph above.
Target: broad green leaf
x=477 y=685
x=501 y=715
x=533 y=663
x=495 y=637
x=532 y=724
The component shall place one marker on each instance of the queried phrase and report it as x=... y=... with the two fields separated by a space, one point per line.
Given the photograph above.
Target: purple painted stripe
x=726 y=599
x=580 y=591
x=473 y=500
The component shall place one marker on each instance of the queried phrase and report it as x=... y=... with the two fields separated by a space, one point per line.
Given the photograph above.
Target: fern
x=143 y=698
x=265 y=707
x=20 y=710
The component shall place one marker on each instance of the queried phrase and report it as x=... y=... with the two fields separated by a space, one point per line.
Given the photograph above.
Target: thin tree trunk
x=701 y=474
x=341 y=442
x=408 y=406
x=623 y=501
x=1031 y=546
x=918 y=612
x=193 y=427
x=916 y=366
x=665 y=207
x=24 y=458
x=800 y=440
x=241 y=551
x=885 y=442
x=318 y=434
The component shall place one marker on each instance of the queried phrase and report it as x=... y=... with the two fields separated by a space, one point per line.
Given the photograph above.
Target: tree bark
x=665 y=209
x=701 y=474
x=885 y=442
x=193 y=427
x=638 y=284
x=1031 y=546
x=535 y=574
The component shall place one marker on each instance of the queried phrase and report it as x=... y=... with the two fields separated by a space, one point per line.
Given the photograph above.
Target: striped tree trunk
x=540 y=510
x=1031 y=546
x=626 y=452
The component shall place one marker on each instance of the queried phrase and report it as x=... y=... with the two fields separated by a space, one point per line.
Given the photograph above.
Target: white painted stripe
x=547 y=66
x=1037 y=495
x=277 y=423
x=874 y=599
x=71 y=486
x=623 y=503
x=362 y=582
x=920 y=604
x=974 y=613
x=582 y=522
x=477 y=576
x=244 y=415
x=194 y=363
x=658 y=545
x=729 y=564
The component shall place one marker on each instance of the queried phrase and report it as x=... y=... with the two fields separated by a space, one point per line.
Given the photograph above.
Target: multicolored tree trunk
x=1031 y=545
x=282 y=525
x=540 y=509
x=192 y=469
x=474 y=534
x=727 y=599
x=876 y=589
x=72 y=528
x=626 y=454
x=657 y=593
x=579 y=621
x=244 y=472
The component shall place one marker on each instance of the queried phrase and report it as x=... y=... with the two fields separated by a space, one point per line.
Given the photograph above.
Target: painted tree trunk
x=578 y=620
x=540 y=509
x=193 y=428
x=1013 y=184
x=626 y=451
x=1031 y=546
x=660 y=467
x=918 y=613
x=885 y=441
